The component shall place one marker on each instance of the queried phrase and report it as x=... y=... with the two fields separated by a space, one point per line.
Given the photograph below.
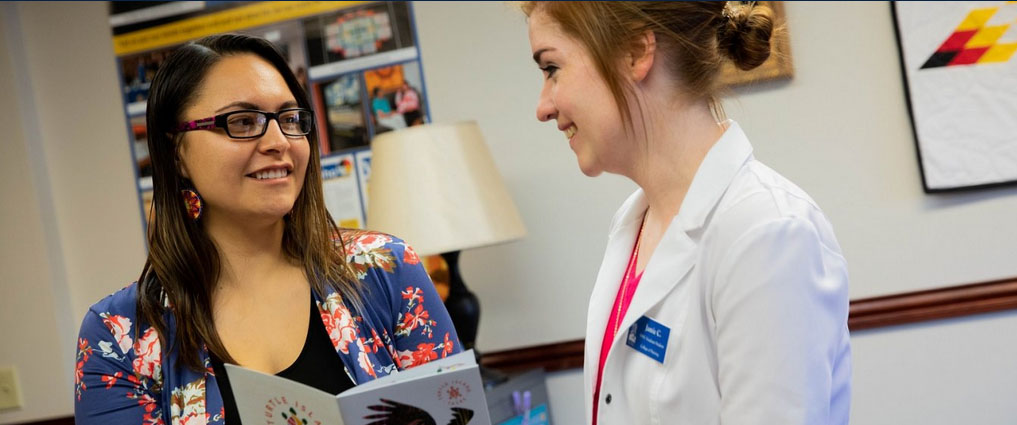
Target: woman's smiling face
x=244 y=178
x=576 y=97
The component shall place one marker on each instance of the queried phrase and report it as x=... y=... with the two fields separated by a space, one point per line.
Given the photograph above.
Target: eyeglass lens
x=245 y=124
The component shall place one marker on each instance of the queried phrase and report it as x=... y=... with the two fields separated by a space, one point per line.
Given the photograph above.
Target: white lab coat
x=753 y=287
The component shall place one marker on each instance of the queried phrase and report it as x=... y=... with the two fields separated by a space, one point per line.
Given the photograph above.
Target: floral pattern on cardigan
x=123 y=375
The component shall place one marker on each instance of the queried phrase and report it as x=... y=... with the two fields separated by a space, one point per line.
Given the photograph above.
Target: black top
x=318 y=365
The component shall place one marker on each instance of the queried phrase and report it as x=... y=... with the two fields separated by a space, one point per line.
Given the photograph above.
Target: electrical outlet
x=10 y=394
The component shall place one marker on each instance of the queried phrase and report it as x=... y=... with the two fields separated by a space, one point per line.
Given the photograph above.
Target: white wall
x=71 y=221
x=29 y=311
x=839 y=129
x=937 y=373
x=81 y=127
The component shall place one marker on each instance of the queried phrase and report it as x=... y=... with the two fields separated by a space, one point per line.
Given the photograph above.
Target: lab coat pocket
x=671 y=314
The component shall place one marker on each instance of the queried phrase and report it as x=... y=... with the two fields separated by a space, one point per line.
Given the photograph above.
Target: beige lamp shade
x=436 y=187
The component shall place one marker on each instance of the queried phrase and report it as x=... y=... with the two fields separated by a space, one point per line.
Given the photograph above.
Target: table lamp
x=436 y=186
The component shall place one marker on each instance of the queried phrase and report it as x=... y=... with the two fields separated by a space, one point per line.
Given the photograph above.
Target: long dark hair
x=183 y=265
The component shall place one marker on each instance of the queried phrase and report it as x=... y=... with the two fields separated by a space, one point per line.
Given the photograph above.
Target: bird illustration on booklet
x=445 y=391
x=397 y=413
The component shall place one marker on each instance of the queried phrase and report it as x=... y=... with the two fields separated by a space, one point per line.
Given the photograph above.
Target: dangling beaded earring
x=194 y=203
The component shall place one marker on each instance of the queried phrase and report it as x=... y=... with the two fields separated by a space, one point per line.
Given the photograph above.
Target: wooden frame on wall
x=778 y=66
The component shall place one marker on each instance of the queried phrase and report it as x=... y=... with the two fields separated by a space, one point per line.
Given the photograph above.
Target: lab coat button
x=607 y=399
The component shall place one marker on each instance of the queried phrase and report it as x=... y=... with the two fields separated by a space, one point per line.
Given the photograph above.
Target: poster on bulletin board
x=959 y=63
x=359 y=63
x=363 y=159
x=342 y=192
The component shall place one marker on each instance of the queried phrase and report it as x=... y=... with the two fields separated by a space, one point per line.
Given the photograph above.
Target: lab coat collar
x=715 y=174
x=712 y=179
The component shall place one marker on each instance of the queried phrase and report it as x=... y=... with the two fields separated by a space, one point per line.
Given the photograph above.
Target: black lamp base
x=464 y=308
x=462 y=305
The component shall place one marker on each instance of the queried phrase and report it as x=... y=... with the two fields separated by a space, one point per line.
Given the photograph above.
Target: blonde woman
x=722 y=297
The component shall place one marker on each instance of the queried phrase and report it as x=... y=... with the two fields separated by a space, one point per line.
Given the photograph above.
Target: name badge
x=649 y=337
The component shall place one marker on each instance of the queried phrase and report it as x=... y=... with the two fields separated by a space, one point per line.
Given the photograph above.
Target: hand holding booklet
x=446 y=391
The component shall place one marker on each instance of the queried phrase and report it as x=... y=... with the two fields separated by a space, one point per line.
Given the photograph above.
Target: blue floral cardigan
x=121 y=380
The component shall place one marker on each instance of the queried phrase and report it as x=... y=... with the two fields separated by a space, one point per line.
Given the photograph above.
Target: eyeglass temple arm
x=197 y=124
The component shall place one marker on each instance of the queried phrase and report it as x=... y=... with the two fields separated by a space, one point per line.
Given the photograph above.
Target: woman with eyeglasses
x=723 y=295
x=245 y=264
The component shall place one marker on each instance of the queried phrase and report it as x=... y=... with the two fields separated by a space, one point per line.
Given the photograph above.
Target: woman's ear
x=181 y=166
x=641 y=58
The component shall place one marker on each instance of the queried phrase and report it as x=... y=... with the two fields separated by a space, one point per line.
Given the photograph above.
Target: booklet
x=446 y=391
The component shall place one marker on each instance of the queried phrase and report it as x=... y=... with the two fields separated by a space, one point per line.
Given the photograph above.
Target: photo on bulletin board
x=357 y=32
x=139 y=131
x=960 y=73
x=137 y=71
x=341 y=114
x=363 y=160
x=341 y=191
x=395 y=96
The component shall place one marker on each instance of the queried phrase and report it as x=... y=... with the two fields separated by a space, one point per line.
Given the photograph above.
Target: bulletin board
x=358 y=61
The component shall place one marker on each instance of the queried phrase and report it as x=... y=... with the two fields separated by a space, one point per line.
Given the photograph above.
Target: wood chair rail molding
x=866 y=313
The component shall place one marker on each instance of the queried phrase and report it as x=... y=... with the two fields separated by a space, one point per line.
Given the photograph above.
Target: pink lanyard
x=630 y=280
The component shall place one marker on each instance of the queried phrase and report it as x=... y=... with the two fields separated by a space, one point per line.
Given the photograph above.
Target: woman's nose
x=546 y=110
x=273 y=140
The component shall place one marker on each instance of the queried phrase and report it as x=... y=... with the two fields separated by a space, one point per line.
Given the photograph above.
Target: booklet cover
x=446 y=391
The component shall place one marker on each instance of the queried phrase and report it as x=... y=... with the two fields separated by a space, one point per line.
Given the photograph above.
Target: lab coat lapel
x=621 y=240
x=673 y=258
x=677 y=252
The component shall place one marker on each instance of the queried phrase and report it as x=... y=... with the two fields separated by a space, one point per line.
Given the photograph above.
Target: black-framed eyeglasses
x=251 y=124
